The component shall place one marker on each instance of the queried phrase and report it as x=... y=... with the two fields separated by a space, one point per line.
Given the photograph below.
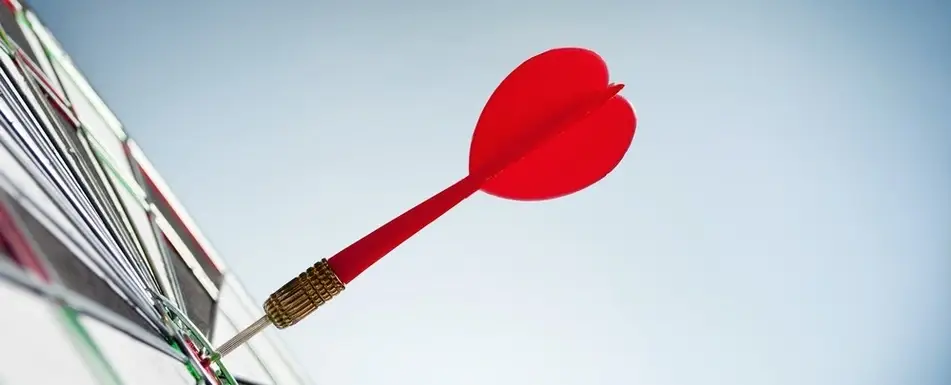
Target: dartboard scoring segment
x=554 y=126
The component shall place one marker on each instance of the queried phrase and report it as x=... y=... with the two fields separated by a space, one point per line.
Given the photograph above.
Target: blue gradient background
x=783 y=216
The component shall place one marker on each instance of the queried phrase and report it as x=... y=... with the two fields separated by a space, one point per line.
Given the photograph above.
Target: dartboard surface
x=104 y=278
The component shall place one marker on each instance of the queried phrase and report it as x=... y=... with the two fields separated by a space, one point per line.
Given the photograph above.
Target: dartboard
x=104 y=278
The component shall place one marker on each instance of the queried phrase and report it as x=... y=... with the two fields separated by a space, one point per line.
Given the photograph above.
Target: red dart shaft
x=356 y=258
x=353 y=260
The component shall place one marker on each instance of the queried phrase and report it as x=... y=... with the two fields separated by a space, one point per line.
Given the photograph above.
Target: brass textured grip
x=302 y=295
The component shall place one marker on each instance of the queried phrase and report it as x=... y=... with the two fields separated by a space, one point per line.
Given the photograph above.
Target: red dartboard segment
x=583 y=151
x=553 y=126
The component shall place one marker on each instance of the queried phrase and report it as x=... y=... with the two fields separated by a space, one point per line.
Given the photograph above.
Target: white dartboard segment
x=134 y=362
x=37 y=345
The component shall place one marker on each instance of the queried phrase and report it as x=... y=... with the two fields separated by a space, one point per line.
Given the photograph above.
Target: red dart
x=554 y=126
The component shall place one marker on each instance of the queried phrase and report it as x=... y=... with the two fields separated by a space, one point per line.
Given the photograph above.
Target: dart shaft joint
x=302 y=295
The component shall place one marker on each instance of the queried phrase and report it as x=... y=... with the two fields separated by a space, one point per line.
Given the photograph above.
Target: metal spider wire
x=117 y=277
x=84 y=207
x=145 y=274
x=182 y=333
x=126 y=270
x=183 y=326
x=142 y=264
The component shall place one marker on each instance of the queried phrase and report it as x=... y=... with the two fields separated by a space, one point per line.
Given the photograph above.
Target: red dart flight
x=553 y=127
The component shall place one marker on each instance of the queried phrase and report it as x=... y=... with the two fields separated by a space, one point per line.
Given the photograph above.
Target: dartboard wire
x=180 y=341
x=40 y=144
x=107 y=163
x=27 y=130
x=183 y=321
x=138 y=270
x=54 y=292
x=176 y=289
x=135 y=189
x=182 y=326
x=30 y=74
x=27 y=248
x=128 y=241
x=205 y=350
x=81 y=303
x=106 y=270
x=143 y=200
x=121 y=277
x=53 y=176
x=139 y=301
x=164 y=252
x=38 y=85
x=146 y=205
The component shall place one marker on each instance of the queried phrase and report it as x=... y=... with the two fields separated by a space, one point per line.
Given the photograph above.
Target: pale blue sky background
x=783 y=216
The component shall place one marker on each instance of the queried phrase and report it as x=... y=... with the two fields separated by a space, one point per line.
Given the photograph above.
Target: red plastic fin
x=561 y=114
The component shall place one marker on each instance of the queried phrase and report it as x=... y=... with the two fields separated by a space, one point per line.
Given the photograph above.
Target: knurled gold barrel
x=302 y=295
